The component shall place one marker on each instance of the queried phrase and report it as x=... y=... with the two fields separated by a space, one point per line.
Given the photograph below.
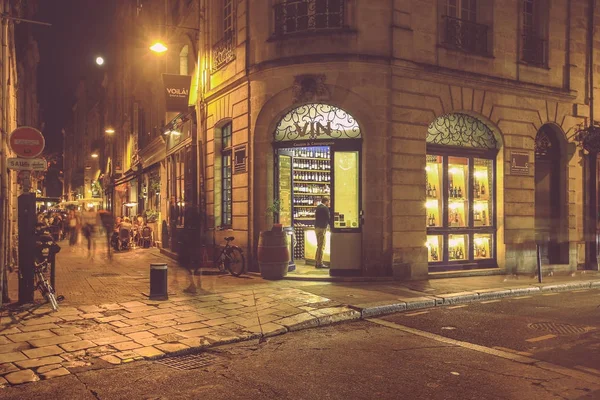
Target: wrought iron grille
x=293 y=16
x=466 y=35
x=461 y=130
x=317 y=121
x=223 y=51
x=544 y=146
x=534 y=50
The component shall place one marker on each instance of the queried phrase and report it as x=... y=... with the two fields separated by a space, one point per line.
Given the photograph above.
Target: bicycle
x=44 y=246
x=42 y=284
x=231 y=258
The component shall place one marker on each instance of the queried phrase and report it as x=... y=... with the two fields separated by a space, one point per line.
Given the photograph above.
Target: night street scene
x=300 y=199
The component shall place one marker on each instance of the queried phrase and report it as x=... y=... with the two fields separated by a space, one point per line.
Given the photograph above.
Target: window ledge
x=532 y=65
x=312 y=34
x=465 y=52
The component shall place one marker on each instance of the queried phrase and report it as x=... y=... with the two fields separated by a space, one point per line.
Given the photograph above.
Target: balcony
x=308 y=16
x=223 y=52
x=465 y=35
x=534 y=50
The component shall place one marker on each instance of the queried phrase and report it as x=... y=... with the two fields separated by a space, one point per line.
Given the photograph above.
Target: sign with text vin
x=519 y=163
x=177 y=91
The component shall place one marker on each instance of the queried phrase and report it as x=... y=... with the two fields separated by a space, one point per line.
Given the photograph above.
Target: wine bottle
x=428 y=190
x=483 y=252
x=483 y=217
x=434 y=194
x=482 y=190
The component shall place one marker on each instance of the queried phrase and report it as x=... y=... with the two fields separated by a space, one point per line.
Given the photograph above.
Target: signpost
x=27 y=143
x=26 y=164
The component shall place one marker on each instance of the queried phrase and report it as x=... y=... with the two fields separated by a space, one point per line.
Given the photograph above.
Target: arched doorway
x=550 y=197
x=317 y=151
x=461 y=194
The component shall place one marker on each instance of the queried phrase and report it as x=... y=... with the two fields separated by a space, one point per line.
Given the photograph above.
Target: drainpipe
x=202 y=54
x=592 y=217
x=4 y=224
x=250 y=152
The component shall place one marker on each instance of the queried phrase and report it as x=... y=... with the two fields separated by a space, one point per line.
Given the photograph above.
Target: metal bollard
x=158 y=281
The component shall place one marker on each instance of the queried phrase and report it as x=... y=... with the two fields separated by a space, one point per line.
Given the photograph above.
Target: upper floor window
x=227 y=18
x=534 y=49
x=462 y=29
x=293 y=16
x=224 y=50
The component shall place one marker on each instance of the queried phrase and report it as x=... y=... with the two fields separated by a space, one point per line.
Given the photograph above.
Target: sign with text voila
x=177 y=91
x=27 y=164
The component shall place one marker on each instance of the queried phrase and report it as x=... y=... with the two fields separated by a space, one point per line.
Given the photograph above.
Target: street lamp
x=99 y=60
x=158 y=47
x=94 y=155
x=110 y=131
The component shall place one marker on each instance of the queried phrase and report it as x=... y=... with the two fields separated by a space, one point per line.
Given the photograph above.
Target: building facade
x=447 y=129
x=444 y=132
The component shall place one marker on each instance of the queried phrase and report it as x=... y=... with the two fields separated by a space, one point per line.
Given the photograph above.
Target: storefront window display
x=460 y=192
x=318 y=154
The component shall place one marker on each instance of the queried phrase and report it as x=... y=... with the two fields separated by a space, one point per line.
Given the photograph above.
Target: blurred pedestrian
x=108 y=223
x=90 y=218
x=73 y=228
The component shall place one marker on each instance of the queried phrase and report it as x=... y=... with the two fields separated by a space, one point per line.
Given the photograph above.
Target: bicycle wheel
x=51 y=298
x=235 y=262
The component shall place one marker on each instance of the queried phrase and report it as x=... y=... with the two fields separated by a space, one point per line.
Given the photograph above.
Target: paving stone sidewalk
x=39 y=344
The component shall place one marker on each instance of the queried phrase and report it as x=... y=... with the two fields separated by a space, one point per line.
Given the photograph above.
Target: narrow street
x=471 y=352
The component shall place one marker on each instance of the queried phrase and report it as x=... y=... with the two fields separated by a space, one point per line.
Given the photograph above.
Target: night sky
x=68 y=51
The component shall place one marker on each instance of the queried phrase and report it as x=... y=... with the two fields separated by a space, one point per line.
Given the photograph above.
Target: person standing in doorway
x=108 y=222
x=321 y=224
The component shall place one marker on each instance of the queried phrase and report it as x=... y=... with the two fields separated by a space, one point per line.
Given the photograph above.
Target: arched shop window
x=317 y=153
x=460 y=191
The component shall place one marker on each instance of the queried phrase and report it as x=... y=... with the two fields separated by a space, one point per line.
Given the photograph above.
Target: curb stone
x=489 y=294
x=565 y=286
x=524 y=290
x=460 y=297
x=422 y=302
x=381 y=308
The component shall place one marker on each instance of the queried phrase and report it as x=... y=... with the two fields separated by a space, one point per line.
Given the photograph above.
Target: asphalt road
x=561 y=328
x=446 y=353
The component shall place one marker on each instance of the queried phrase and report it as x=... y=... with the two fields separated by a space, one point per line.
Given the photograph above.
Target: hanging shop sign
x=177 y=91
x=519 y=163
x=27 y=142
x=27 y=164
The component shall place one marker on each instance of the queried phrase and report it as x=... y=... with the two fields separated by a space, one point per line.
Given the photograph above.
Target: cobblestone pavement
x=108 y=319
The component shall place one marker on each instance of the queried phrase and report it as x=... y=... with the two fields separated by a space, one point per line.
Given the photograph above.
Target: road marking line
x=587 y=369
x=579 y=291
x=491 y=301
x=521 y=353
x=540 y=338
x=487 y=350
x=550 y=294
x=522 y=297
x=453 y=307
x=416 y=313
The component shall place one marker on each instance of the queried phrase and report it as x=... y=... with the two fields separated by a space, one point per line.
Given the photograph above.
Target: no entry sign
x=27 y=142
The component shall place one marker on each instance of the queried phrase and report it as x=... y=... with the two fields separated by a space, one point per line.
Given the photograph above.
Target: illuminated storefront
x=461 y=194
x=317 y=154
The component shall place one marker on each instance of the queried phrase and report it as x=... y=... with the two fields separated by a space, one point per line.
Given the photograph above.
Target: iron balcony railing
x=466 y=35
x=534 y=50
x=308 y=15
x=223 y=51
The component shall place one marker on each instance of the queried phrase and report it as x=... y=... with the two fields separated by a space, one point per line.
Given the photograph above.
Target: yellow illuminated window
x=346 y=207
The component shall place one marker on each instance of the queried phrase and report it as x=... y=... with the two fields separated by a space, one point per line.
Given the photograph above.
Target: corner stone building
x=466 y=112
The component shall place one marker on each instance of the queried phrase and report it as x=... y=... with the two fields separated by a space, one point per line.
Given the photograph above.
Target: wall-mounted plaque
x=519 y=163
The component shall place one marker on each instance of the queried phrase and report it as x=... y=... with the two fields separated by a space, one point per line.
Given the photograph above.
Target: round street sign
x=27 y=142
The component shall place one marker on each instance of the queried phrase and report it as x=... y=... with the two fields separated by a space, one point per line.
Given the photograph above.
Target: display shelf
x=312 y=182
x=312 y=170
x=312 y=194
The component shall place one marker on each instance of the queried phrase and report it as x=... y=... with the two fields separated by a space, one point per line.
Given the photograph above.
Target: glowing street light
x=158 y=47
x=109 y=130
x=99 y=60
x=94 y=155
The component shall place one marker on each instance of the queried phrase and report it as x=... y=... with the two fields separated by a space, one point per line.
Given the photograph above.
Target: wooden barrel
x=273 y=254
